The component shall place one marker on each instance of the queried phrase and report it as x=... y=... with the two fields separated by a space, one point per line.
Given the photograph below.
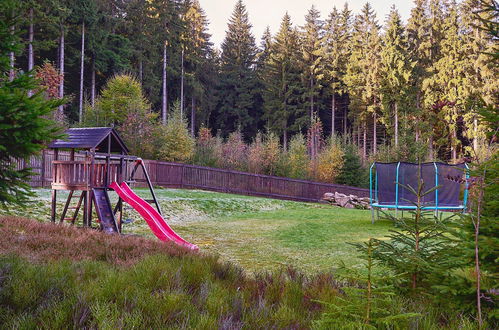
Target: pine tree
x=238 y=78
x=396 y=72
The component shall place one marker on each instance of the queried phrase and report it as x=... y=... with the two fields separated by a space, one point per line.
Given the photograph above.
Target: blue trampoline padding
x=413 y=207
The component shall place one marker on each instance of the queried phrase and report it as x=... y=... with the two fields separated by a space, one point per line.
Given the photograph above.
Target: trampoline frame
x=374 y=201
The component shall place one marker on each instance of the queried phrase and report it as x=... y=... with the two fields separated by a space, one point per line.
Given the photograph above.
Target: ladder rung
x=72 y=207
x=69 y=219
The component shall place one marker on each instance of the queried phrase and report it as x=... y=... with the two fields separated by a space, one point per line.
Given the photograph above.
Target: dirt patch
x=41 y=241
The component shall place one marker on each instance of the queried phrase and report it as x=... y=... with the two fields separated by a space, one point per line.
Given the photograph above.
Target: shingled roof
x=91 y=137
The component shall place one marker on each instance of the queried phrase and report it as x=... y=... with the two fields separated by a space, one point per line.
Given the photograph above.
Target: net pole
x=436 y=190
x=371 y=192
x=465 y=198
x=397 y=190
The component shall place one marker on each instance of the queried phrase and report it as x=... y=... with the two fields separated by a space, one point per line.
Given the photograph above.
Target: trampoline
x=387 y=183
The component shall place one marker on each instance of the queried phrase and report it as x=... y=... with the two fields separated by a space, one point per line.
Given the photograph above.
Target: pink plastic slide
x=155 y=221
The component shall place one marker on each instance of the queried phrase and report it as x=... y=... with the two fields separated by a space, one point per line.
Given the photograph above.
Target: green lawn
x=256 y=233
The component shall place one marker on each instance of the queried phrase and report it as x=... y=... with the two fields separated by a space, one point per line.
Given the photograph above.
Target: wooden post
x=108 y=160
x=88 y=193
x=42 y=172
x=54 y=192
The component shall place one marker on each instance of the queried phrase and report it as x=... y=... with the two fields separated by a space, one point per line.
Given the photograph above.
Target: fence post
x=42 y=173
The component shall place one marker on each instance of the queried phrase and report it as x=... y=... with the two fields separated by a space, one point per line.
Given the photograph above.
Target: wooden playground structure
x=106 y=160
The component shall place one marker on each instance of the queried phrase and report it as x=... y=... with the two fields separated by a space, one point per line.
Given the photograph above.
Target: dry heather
x=39 y=241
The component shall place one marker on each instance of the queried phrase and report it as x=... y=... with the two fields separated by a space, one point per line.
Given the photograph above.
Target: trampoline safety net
x=387 y=185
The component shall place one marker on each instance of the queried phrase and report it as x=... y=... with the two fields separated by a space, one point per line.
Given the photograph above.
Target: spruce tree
x=396 y=74
x=238 y=78
x=312 y=59
x=25 y=129
x=363 y=73
x=282 y=82
x=447 y=87
x=336 y=51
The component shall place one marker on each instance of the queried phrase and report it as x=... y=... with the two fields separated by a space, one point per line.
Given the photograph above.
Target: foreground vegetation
x=57 y=277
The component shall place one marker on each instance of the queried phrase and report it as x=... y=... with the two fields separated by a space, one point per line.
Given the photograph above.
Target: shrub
x=205 y=153
x=329 y=162
x=256 y=152
x=234 y=153
x=297 y=157
x=271 y=153
x=174 y=142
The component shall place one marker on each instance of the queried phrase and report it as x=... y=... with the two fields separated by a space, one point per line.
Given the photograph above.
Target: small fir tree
x=24 y=125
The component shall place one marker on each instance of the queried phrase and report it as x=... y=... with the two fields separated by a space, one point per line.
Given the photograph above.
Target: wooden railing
x=70 y=173
x=175 y=175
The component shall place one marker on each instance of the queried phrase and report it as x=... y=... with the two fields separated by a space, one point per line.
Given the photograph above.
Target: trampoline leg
x=372 y=215
x=377 y=214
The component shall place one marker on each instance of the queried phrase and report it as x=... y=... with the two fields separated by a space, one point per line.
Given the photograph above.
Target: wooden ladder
x=75 y=208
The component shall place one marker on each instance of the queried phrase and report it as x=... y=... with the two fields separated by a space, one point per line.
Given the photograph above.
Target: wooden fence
x=183 y=176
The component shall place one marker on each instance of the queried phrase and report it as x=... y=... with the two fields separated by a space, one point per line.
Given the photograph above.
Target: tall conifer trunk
x=164 y=96
x=11 y=60
x=31 y=60
x=61 y=70
x=285 y=138
x=182 y=84
x=396 y=124
x=364 y=146
x=345 y=123
x=92 y=83
x=333 y=112
x=82 y=67
x=193 y=116
x=140 y=70
x=375 y=136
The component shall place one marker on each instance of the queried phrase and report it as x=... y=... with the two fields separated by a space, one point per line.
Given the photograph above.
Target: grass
x=58 y=277
x=255 y=233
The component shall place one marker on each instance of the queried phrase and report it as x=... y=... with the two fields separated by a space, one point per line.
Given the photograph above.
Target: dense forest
x=382 y=85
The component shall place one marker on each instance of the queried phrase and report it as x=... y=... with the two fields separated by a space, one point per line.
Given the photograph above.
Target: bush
x=256 y=153
x=234 y=153
x=174 y=142
x=297 y=157
x=329 y=162
x=205 y=153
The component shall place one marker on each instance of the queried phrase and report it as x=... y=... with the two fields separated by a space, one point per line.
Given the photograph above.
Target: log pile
x=346 y=201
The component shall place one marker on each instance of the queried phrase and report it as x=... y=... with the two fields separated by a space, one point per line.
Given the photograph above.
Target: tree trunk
x=375 y=136
x=285 y=139
x=333 y=113
x=140 y=70
x=430 y=146
x=182 y=84
x=164 y=96
x=31 y=60
x=345 y=124
x=193 y=116
x=311 y=98
x=416 y=122
x=364 y=147
x=92 y=87
x=11 y=60
x=454 y=144
x=396 y=124
x=82 y=67
x=61 y=70
x=475 y=134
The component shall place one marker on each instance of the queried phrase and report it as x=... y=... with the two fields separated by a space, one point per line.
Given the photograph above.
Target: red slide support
x=155 y=221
